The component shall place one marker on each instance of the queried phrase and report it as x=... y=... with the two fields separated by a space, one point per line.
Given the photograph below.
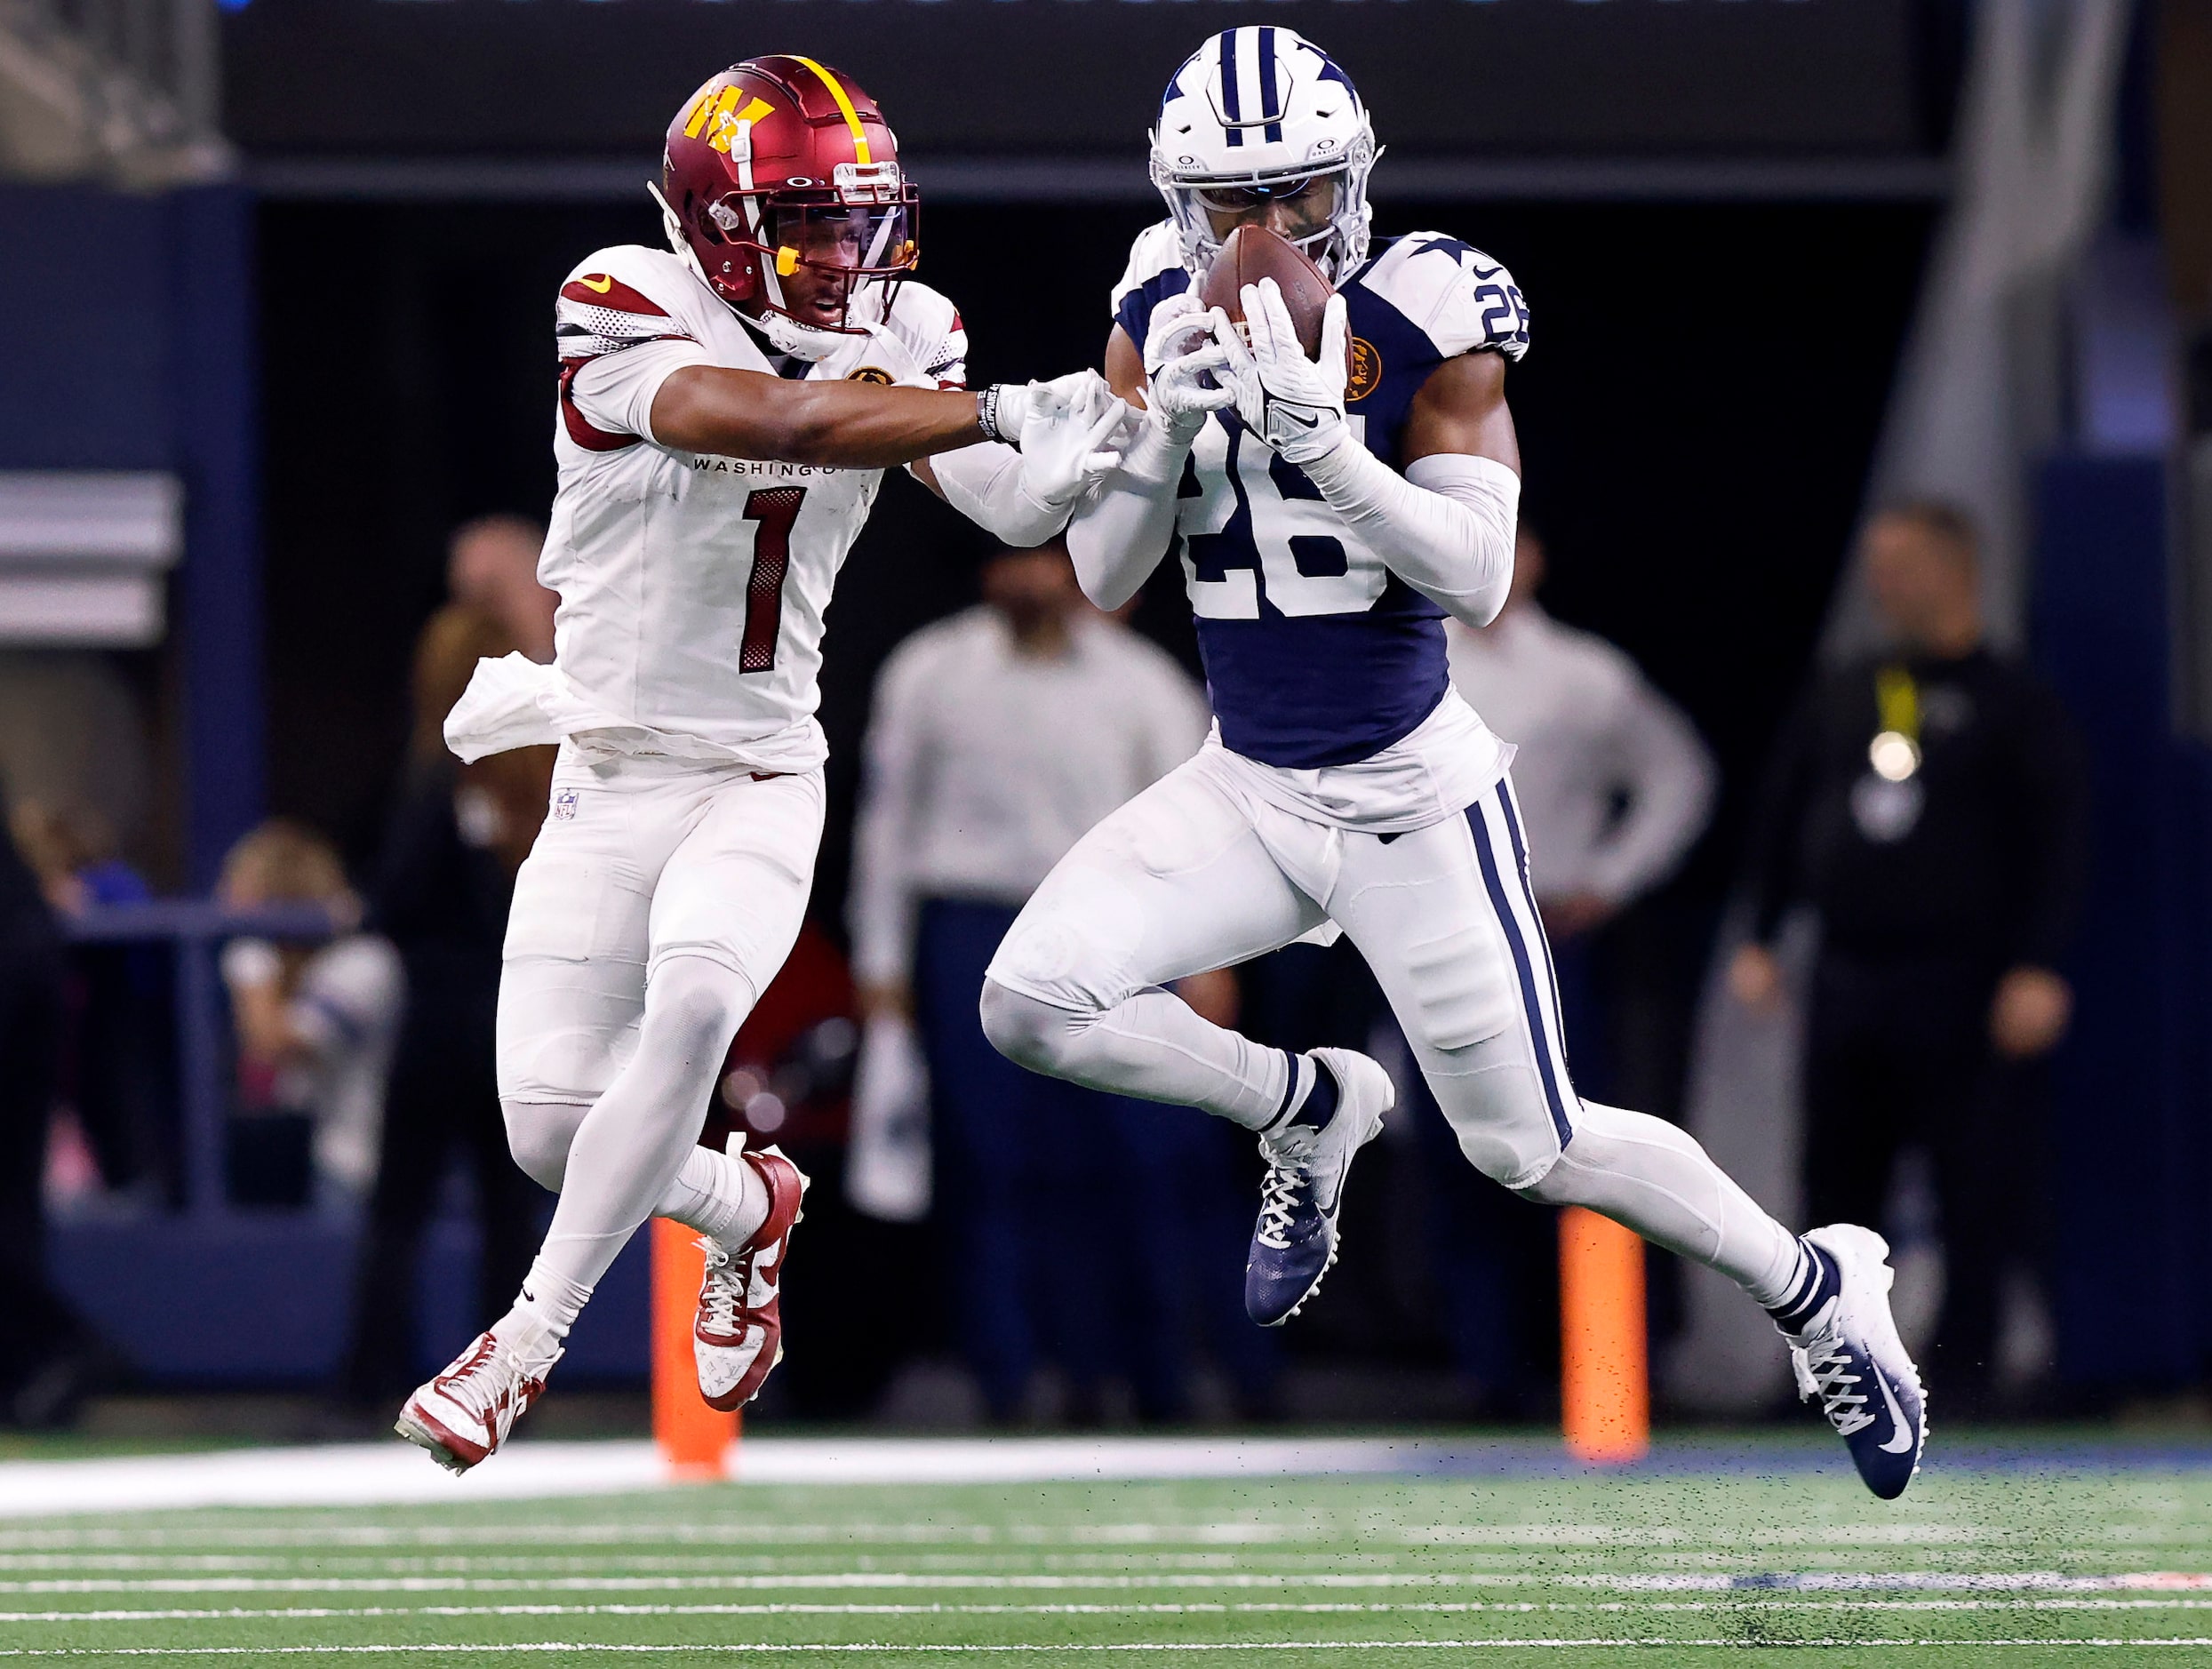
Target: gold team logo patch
x=871 y=373
x=1367 y=369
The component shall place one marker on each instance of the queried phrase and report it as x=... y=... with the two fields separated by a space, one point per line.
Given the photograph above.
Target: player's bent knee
x=694 y=1006
x=1028 y=1033
x=539 y=1134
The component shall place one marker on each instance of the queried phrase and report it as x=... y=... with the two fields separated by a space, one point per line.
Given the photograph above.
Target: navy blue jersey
x=1315 y=653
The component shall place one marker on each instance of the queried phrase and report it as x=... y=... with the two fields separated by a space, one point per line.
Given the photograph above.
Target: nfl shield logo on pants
x=564 y=805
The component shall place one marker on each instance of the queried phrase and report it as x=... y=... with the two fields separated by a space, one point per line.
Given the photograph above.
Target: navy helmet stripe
x=1270 y=98
x=1231 y=105
x=1538 y=1032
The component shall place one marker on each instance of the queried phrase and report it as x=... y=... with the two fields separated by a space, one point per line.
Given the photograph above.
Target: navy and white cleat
x=1850 y=1357
x=1295 y=1242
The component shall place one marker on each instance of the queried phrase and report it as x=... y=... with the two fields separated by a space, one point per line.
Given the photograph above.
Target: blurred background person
x=1615 y=785
x=115 y=1057
x=46 y=1353
x=491 y=567
x=997 y=738
x=315 y=1025
x=456 y=837
x=1929 y=802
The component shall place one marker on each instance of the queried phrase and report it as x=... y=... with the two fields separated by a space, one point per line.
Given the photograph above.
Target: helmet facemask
x=1206 y=208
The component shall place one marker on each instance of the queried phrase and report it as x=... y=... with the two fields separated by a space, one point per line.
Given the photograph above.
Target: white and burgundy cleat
x=461 y=1416
x=738 y=1337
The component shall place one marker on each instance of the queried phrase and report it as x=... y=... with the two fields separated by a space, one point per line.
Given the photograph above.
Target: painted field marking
x=306 y=1613
x=1056 y=1648
x=2047 y=1581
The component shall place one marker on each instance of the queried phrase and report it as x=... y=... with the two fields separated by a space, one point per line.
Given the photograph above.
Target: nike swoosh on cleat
x=1901 y=1437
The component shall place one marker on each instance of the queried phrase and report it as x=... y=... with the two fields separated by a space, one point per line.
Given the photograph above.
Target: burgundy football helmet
x=779 y=163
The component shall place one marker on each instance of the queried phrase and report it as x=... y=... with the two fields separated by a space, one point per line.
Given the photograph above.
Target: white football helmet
x=1257 y=114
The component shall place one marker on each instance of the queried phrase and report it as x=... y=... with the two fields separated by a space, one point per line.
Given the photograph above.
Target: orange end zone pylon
x=694 y=1439
x=1605 y=1386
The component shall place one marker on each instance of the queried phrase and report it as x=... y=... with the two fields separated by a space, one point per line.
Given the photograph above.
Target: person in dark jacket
x=1930 y=804
x=46 y=1354
x=457 y=838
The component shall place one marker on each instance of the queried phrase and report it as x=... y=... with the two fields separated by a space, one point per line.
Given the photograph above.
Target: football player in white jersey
x=726 y=410
x=1326 y=522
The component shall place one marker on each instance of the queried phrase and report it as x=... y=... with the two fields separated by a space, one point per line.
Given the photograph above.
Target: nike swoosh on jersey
x=1900 y=1434
x=599 y=282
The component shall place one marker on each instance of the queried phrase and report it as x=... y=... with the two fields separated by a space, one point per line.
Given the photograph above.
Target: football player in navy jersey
x=1327 y=515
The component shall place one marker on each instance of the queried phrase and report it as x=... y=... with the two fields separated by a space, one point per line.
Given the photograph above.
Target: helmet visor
x=863 y=239
x=1299 y=209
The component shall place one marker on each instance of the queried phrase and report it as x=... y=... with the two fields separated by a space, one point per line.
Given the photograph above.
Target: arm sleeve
x=984 y=484
x=1670 y=779
x=880 y=912
x=2055 y=821
x=615 y=391
x=1445 y=527
x=1123 y=527
x=1770 y=868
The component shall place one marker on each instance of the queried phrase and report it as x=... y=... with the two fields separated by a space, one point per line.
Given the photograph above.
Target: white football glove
x=1178 y=354
x=1292 y=404
x=1070 y=435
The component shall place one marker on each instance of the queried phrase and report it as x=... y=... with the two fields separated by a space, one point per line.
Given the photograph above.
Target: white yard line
x=356 y=1474
x=1908 y=1581
x=1177 y=1648
x=316 y=1613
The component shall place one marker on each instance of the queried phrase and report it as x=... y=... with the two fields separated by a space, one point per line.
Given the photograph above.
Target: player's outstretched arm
x=1445 y=526
x=1120 y=533
x=734 y=413
x=1068 y=442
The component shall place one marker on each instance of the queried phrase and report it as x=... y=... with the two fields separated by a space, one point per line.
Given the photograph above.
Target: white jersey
x=693 y=587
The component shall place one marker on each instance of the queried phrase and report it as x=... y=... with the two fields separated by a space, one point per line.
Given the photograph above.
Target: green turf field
x=2001 y=1566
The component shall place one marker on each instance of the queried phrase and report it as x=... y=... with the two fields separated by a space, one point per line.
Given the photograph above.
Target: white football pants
x=1198 y=872
x=660 y=901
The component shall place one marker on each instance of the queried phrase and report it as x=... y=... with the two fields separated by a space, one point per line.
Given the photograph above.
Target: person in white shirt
x=1616 y=785
x=999 y=736
x=316 y=1023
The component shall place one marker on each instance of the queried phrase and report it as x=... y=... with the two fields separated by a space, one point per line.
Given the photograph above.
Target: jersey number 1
x=776 y=509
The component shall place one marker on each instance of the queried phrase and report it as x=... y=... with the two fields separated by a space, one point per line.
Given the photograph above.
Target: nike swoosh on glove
x=1069 y=437
x=1295 y=405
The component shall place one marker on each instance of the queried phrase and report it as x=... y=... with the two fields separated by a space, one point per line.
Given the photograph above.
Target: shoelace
x=479 y=1385
x=1278 y=1201
x=1827 y=1375
x=728 y=1280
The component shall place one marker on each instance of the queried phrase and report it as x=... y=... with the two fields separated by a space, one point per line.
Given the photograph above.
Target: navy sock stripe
x=1534 y=1009
x=1289 y=1092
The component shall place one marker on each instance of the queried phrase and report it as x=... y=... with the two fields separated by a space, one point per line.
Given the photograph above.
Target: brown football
x=1253 y=252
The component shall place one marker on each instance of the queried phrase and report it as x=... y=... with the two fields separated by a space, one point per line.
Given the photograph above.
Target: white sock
x=544 y=1311
x=717 y=1194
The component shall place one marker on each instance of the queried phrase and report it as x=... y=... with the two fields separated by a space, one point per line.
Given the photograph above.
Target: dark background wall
x=1696 y=415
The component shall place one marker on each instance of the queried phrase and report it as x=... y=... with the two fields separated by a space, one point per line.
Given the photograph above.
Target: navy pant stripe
x=1544 y=943
x=1530 y=1004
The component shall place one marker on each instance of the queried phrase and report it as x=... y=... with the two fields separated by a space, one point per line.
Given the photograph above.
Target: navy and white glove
x=1291 y=403
x=1180 y=358
x=1069 y=436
